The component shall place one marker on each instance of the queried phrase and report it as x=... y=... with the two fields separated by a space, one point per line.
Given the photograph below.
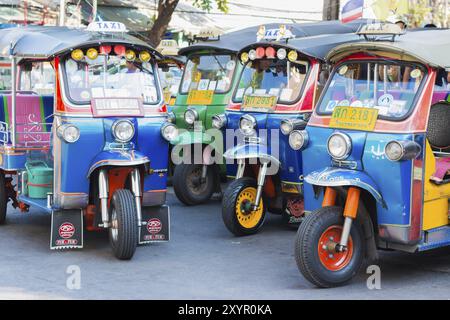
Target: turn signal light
x=77 y=54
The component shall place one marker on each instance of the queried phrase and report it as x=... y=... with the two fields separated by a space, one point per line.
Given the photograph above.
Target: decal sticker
x=356 y=104
x=212 y=85
x=230 y=65
x=343 y=70
x=331 y=105
x=203 y=84
x=344 y=103
x=154 y=225
x=286 y=94
x=416 y=73
x=385 y=100
x=66 y=230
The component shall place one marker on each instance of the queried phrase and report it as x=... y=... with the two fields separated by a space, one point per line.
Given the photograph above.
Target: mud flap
x=67 y=229
x=156 y=225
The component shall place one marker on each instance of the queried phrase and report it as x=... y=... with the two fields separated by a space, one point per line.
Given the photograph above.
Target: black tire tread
x=228 y=207
x=125 y=205
x=179 y=185
x=3 y=198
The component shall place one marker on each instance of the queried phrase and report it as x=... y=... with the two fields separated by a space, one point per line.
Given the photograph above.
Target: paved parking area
x=203 y=261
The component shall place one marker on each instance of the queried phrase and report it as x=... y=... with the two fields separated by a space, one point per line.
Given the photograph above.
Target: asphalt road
x=203 y=261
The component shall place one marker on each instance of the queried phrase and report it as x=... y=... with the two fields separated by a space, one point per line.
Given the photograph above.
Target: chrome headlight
x=219 y=121
x=190 y=116
x=298 y=139
x=339 y=146
x=171 y=117
x=401 y=150
x=169 y=131
x=68 y=132
x=123 y=130
x=287 y=126
x=247 y=124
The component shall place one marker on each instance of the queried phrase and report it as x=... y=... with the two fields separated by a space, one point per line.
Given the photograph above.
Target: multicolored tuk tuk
x=276 y=93
x=75 y=132
x=376 y=154
x=210 y=76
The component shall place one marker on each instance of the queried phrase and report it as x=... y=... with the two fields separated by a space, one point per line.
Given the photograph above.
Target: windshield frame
x=75 y=103
x=231 y=54
x=377 y=60
x=279 y=102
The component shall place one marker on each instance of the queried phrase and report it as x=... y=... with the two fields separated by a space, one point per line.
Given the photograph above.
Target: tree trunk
x=165 y=11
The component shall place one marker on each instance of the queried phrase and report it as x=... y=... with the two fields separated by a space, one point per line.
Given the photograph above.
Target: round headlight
x=123 y=130
x=219 y=121
x=394 y=151
x=68 y=132
x=281 y=53
x=190 y=116
x=339 y=146
x=171 y=117
x=286 y=127
x=169 y=131
x=247 y=124
x=298 y=139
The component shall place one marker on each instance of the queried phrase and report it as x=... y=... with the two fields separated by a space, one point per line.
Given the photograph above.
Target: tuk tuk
x=210 y=77
x=170 y=70
x=75 y=130
x=276 y=93
x=376 y=154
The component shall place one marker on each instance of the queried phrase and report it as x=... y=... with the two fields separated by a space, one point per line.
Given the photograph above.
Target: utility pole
x=330 y=9
x=62 y=12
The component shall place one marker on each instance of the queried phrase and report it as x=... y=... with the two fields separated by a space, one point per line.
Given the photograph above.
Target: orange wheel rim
x=331 y=259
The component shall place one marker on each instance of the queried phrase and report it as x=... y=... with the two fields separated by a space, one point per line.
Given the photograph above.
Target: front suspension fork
x=260 y=182
x=350 y=211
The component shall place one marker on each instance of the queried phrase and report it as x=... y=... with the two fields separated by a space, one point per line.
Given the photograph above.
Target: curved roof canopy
x=45 y=42
x=429 y=46
x=316 y=46
x=234 y=41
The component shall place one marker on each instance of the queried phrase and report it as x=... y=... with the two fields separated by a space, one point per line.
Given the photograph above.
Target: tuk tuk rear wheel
x=188 y=187
x=237 y=215
x=123 y=231
x=3 y=198
x=317 y=261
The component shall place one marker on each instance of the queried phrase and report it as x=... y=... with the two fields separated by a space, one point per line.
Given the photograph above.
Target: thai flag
x=352 y=10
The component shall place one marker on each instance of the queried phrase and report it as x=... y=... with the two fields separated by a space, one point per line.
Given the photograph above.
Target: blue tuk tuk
x=376 y=160
x=276 y=93
x=75 y=130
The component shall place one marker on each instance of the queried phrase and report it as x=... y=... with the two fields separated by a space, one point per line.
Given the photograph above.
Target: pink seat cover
x=442 y=168
x=29 y=118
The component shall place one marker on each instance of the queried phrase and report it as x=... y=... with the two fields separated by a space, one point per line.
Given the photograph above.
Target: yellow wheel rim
x=246 y=217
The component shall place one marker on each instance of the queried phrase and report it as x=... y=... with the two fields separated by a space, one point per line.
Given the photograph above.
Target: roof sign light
x=380 y=29
x=107 y=26
x=282 y=33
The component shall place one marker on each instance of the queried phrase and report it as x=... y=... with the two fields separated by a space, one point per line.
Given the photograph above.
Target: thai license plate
x=199 y=97
x=354 y=118
x=259 y=103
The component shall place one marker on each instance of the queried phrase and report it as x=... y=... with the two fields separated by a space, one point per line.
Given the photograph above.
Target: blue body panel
x=273 y=142
x=391 y=179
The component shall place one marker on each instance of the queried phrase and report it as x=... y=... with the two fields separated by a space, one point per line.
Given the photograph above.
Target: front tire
x=3 y=198
x=237 y=215
x=123 y=232
x=320 y=265
x=188 y=187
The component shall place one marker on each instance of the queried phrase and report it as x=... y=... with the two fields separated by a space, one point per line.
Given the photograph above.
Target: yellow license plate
x=259 y=102
x=200 y=97
x=354 y=118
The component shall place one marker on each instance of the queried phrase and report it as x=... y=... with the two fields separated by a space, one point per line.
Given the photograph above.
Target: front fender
x=249 y=151
x=338 y=177
x=125 y=158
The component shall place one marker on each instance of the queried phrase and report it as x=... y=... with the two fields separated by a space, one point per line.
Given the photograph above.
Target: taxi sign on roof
x=380 y=29
x=107 y=26
x=168 y=47
x=282 y=33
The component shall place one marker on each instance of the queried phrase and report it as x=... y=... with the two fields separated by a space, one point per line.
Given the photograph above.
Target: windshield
x=208 y=72
x=110 y=76
x=170 y=80
x=387 y=86
x=272 y=77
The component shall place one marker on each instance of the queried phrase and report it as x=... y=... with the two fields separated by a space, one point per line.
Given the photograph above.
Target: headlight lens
x=219 y=121
x=394 y=151
x=339 y=146
x=298 y=139
x=171 y=117
x=247 y=124
x=169 y=131
x=68 y=132
x=123 y=130
x=401 y=150
x=286 y=127
x=190 y=116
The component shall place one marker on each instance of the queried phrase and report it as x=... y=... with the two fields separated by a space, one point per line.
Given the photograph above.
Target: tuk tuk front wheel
x=237 y=213
x=188 y=185
x=123 y=231
x=3 y=198
x=315 y=252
